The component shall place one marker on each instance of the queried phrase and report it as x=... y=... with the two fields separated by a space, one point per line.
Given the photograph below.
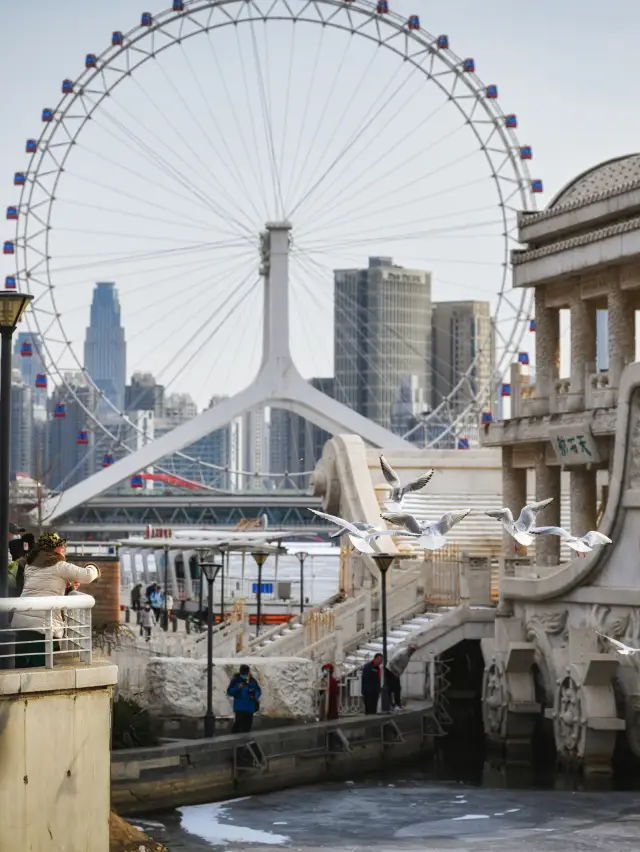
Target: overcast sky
x=413 y=186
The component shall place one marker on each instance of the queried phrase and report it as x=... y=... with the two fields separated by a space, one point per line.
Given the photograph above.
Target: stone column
x=547 y=344
x=514 y=492
x=583 y=342
x=622 y=331
x=584 y=500
x=547 y=485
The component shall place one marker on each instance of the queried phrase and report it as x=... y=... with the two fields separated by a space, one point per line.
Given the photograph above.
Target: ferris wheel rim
x=362 y=8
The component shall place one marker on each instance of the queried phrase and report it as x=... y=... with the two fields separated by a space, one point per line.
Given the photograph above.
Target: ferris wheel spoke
x=328 y=208
x=169 y=169
x=303 y=122
x=256 y=172
x=218 y=187
x=129 y=214
x=362 y=143
x=242 y=297
x=266 y=118
x=285 y=121
x=141 y=149
x=322 y=116
x=228 y=156
x=362 y=128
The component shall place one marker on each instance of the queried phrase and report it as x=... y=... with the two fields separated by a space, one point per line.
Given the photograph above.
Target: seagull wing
x=389 y=473
x=594 y=537
x=551 y=531
x=401 y=519
x=615 y=642
x=529 y=514
x=449 y=520
x=504 y=515
x=418 y=483
x=340 y=522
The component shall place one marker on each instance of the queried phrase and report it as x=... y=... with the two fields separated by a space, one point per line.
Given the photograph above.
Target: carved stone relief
x=550 y=623
x=633 y=460
x=495 y=701
x=614 y=625
x=568 y=720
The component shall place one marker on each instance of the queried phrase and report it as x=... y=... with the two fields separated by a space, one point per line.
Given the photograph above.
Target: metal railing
x=72 y=626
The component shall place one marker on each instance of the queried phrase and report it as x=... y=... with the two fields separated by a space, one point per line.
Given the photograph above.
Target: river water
x=455 y=808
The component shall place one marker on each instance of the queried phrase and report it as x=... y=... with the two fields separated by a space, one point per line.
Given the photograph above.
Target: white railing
x=75 y=611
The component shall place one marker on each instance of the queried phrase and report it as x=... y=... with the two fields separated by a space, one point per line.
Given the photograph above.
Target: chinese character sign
x=574 y=446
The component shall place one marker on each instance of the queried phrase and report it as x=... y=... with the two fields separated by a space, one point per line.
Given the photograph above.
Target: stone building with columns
x=582 y=255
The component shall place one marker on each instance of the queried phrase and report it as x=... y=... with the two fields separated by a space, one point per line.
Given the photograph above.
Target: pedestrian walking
x=136 y=597
x=245 y=691
x=156 y=599
x=397 y=664
x=147 y=621
x=371 y=684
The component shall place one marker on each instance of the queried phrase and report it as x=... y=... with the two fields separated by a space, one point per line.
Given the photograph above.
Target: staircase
x=398 y=636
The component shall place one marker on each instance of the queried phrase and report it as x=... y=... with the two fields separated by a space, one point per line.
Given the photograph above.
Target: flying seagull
x=621 y=648
x=432 y=533
x=360 y=534
x=398 y=490
x=520 y=529
x=581 y=544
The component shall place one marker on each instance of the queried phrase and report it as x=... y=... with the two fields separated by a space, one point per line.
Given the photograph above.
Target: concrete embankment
x=188 y=772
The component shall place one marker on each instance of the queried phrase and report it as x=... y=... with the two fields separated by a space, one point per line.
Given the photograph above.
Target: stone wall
x=105 y=590
x=176 y=687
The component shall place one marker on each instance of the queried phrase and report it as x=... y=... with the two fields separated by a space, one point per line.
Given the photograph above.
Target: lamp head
x=383 y=561
x=12 y=307
x=260 y=557
x=302 y=555
x=210 y=570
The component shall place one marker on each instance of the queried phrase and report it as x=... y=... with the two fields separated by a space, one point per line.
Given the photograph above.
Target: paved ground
x=409 y=815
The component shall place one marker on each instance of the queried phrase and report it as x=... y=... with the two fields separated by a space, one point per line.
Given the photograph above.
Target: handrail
x=47 y=603
x=73 y=622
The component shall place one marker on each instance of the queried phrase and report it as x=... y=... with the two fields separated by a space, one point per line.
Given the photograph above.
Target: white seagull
x=520 y=529
x=621 y=648
x=581 y=544
x=432 y=533
x=360 y=534
x=398 y=490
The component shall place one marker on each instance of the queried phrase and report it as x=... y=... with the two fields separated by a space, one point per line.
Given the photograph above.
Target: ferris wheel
x=161 y=162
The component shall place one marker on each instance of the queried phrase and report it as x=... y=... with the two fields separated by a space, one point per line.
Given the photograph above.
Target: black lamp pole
x=301 y=557
x=260 y=558
x=210 y=571
x=224 y=555
x=165 y=614
x=12 y=307
x=383 y=561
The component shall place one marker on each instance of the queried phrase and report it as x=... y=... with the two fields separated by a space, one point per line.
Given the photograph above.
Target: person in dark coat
x=372 y=684
x=245 y=691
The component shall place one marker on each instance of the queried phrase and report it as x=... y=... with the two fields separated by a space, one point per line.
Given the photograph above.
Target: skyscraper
x=105 y=349
x=30 y=365
x=382 y=320
x=460 y=331
x=143 y=394
x=21 y=459
x=71 y=455
x=295 y=443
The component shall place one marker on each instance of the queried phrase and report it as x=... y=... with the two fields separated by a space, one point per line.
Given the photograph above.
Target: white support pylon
x=278 y=384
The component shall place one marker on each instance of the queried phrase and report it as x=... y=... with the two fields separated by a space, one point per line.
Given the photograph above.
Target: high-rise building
x=143 y=394
x=295 y=443
x=22 y=429
x=30 y=365
x=382 y=319
x=105 y=348
x=214 y=449
x=461 y=330
x=71 y=443
x=255 y=448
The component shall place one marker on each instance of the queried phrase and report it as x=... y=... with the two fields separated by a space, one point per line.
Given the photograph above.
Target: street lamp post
x=224 y=555
x=210 y=571
x=301 y=557
x=12 y=307
x=383 y=561
x=165 y=614
x=260 y=558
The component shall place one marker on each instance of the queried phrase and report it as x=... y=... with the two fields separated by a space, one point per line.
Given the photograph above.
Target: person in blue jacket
x=245 y=691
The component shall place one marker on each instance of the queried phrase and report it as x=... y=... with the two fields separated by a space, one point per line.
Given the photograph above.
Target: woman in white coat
x=46 y=573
